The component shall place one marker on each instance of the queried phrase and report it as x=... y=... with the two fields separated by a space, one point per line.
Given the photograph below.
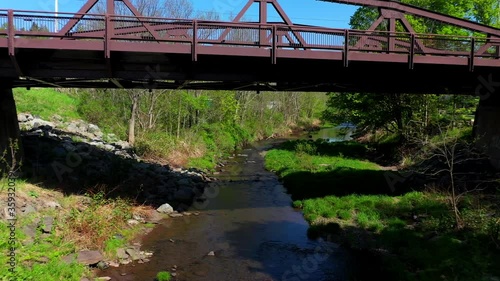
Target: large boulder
x=165 y=209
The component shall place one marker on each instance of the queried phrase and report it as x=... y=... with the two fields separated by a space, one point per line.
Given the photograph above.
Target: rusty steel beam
x=11 y=34
x=110 y=10
x=136 y=13
x=78 y=16
x=416 y=11
x=263 y=20
x=287 y=20
x=394 y=16
x=117 y=31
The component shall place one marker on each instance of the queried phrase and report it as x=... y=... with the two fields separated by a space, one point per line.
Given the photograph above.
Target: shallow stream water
x=248 y=223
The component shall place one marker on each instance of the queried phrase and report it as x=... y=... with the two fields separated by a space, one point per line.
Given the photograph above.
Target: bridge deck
x=120 y=51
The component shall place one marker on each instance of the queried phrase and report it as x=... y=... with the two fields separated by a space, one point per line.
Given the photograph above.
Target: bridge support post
x=9 y=132
x=487 y=128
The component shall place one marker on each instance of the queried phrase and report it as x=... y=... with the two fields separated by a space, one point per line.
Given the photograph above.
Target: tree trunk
x=133 y=114
x=151 y=111
x=179 y=117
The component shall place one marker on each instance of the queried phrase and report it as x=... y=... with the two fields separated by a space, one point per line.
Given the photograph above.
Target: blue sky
x=311 y=12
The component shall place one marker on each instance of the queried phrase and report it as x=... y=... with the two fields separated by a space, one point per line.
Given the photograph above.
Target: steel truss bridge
x=110 y=50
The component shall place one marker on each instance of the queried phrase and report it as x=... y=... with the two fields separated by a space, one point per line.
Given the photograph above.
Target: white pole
x=56 y=27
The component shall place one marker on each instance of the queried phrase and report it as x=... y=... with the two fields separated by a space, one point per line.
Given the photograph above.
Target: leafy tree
x=370 y=111
x=413 y=114
x=482 y=11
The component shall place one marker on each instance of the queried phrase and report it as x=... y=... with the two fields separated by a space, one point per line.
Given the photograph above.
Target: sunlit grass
x=348 y=198
x=79 y=224
x=46 y=102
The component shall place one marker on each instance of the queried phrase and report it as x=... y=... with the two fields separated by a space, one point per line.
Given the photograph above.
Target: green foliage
x=389 y=111
x=113 y=244
x=108 y=109
x=328 y=162
x=410 y=116
x=444 y=254
x=53 y=270
x=224 y=138
x=416 y=229
x=483 y=11
x=43 y=256
x=173 y=122
x=46 y=103
x=155 y=144
x=33 y=194
x=415 y=116
x=206 y=163
x=305 y=148
x=163 y=276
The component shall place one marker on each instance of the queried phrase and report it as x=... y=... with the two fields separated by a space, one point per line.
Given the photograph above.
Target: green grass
x=205 y=163
x=326 y=169
x=417 y=229
x=40 y=259
x=95 y=228
x=346 y=197
x=46 y=102
x=163 y=276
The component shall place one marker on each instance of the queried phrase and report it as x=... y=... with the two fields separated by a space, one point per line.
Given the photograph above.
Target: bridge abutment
x=9 y=131
x=487 y=128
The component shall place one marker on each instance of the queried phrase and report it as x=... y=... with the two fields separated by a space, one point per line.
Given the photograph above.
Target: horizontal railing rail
x=201 y=33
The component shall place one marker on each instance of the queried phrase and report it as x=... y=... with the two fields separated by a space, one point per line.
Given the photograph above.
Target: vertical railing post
x=472 y=54
x=346 y=48
x=11 y=32
x=411 y=56
x=274 y=42
x=107 y=36
x=194 y=49
x=391 y=39
x=262 y=21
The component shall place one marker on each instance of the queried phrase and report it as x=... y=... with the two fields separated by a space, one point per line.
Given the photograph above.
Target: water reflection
x=342 y=132
x=252 y=229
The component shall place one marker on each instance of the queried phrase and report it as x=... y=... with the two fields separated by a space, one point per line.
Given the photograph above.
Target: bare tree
x=452 y=152
x=135 y=96
x=177 y=9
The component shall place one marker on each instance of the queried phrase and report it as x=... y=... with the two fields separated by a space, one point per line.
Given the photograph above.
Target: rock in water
x=165 y=209
x=89 y=257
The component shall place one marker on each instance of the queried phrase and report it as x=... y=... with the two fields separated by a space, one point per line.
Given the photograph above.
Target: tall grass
x=81 y=223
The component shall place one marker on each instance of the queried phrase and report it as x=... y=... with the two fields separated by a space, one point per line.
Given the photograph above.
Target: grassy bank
x=46 y=103
x=409 y=234
x=79 y=223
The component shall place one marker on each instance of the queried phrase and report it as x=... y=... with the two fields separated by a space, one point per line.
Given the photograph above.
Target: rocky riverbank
x=76 y=177
x=78 y=155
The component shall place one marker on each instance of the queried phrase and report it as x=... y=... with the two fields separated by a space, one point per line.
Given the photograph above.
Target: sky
x=310 y=12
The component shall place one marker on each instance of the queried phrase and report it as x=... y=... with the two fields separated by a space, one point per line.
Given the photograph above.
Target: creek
x=247 y=221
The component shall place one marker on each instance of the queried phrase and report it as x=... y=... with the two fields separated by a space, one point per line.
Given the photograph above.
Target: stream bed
x=247 y=230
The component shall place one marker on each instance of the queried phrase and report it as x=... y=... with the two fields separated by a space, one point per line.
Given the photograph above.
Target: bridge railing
x=46 y=25
x=489 y=47
x=116 y=28
x=379 y=42
x=309 y=38
x=159 y=30
x=233 y=35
